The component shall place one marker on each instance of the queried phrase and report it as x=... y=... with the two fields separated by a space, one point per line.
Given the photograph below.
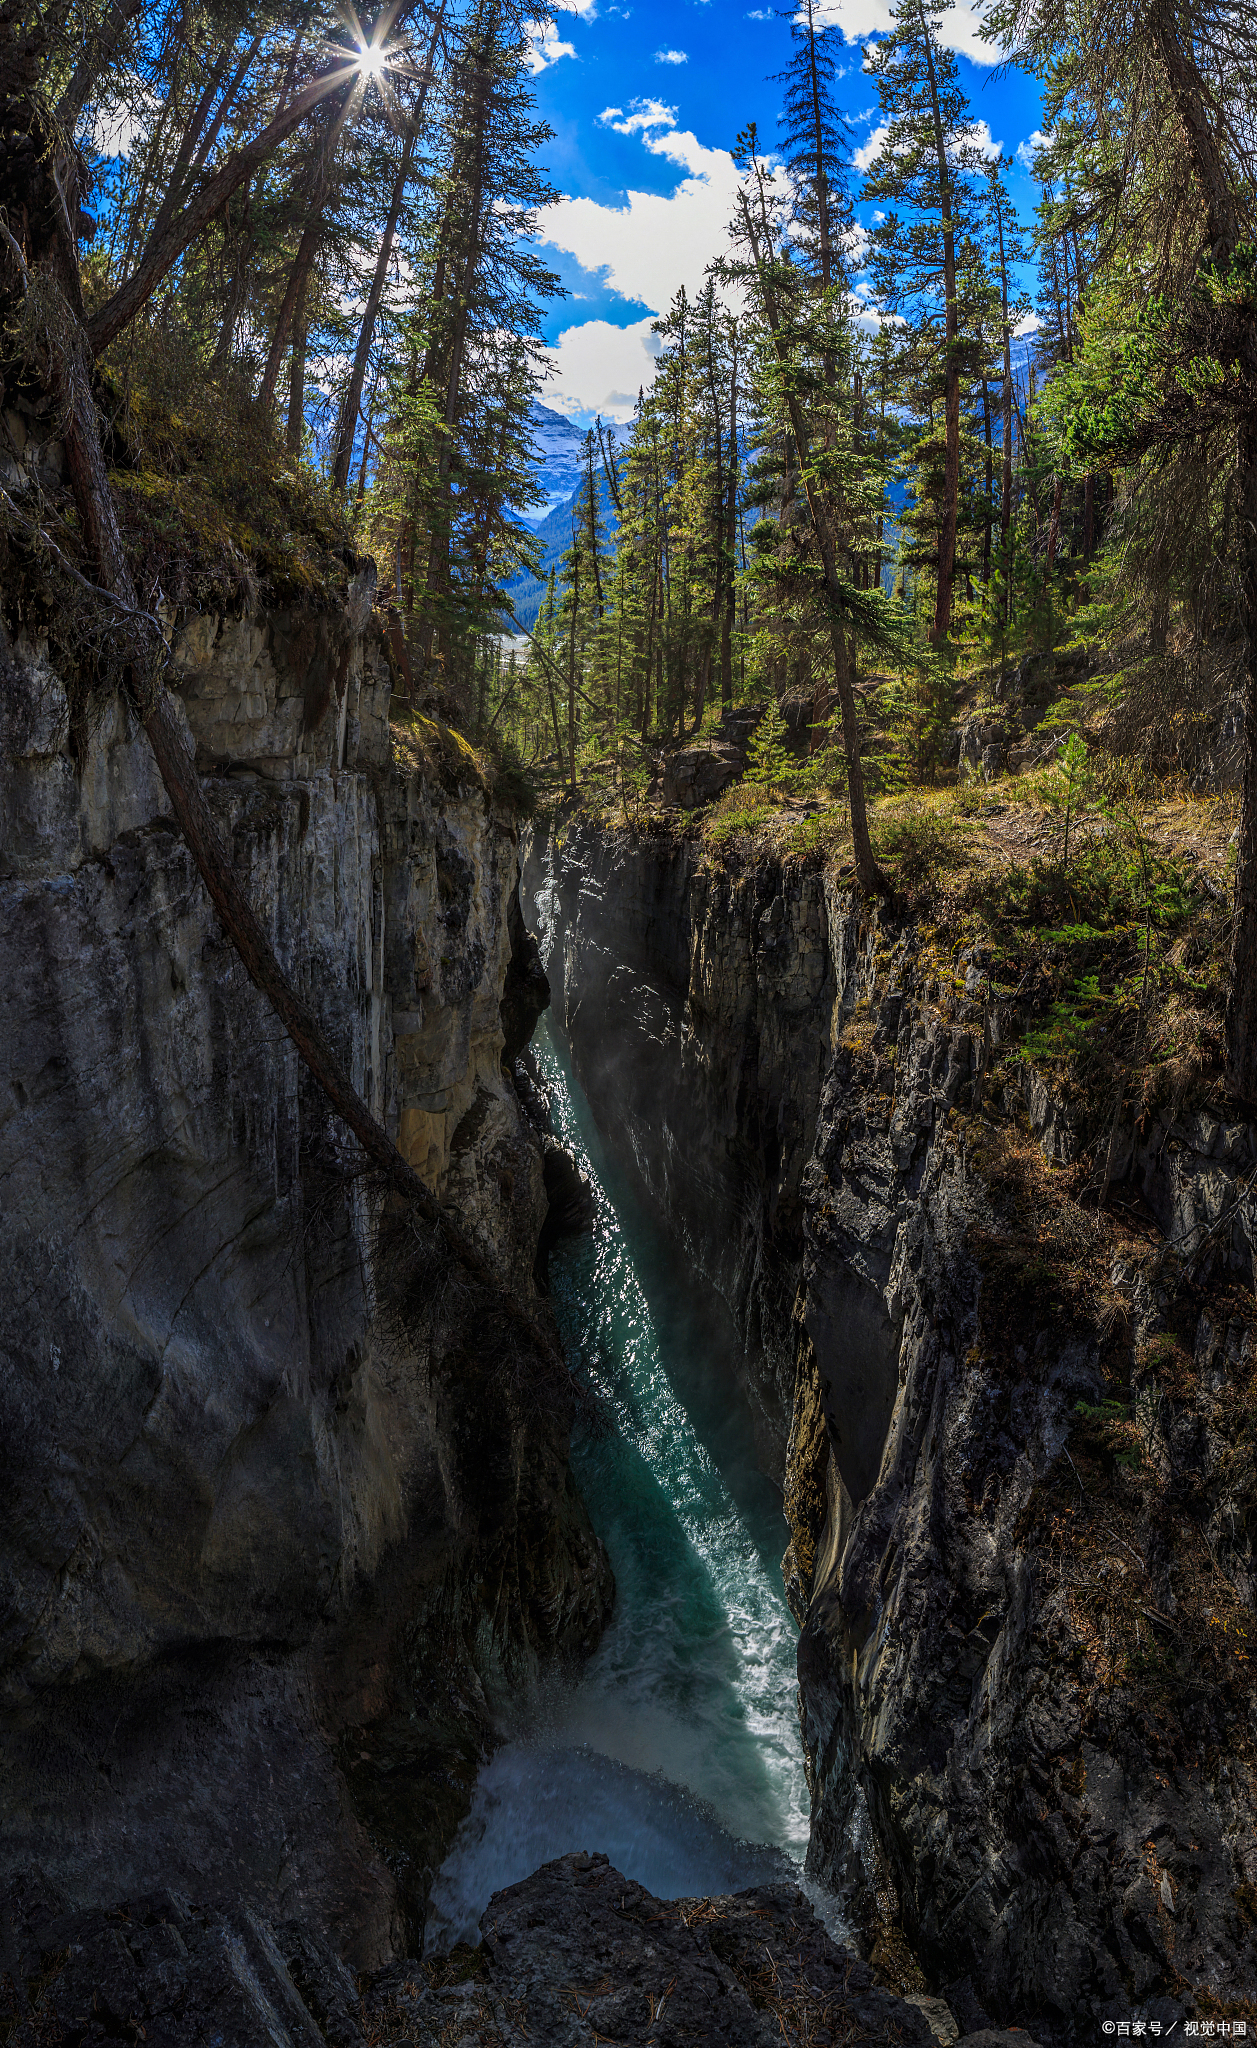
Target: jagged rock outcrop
x=1019 y=1479
x=284 y=1499
x=575 y=1955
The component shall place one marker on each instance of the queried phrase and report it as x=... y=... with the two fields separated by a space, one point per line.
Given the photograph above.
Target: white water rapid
x=677 y=1752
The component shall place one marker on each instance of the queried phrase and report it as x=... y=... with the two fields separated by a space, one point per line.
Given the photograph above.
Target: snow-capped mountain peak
x=561 y=448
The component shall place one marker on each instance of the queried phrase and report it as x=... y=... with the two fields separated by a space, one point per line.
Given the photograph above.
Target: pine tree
x=767 y=758
x=804 y=348
x=925 y=165
x=816 y=143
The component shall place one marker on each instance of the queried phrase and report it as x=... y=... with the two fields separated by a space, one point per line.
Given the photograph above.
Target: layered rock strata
x=285 y=1508
x=1017 y=1470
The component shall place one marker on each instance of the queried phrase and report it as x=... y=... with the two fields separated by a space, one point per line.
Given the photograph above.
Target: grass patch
x=921 y=845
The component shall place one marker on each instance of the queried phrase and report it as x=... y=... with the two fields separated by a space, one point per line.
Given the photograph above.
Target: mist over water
x=677 y=1753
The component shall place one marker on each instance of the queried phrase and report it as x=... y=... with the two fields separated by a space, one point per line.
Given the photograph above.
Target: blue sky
x=645 y=99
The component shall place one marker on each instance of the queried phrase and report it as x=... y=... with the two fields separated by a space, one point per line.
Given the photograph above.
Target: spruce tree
x=803 y=372
x=925 y=165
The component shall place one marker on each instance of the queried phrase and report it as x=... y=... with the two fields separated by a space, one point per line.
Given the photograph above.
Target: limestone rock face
x=1025 y=1746
x=250 y=1426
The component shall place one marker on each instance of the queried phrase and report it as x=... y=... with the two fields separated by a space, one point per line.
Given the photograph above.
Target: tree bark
x=297 y=387
x=730 y=542
x=989 y=510
x=1054 y=526
x=1088 y=517
x=348 y=423
x=571 y=675
x=290 y=312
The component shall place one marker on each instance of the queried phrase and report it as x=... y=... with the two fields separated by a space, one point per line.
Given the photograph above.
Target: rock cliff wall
x=284 y=1506
x=1016 y=1469
x=693 y=1001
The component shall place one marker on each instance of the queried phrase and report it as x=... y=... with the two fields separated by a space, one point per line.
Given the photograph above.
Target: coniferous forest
x=304 y=307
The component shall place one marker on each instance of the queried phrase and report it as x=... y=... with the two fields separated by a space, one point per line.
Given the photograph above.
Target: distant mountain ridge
x=561 y=446
x=554 y=532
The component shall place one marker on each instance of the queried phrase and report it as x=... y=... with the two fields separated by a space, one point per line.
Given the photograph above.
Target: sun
x=373 y=61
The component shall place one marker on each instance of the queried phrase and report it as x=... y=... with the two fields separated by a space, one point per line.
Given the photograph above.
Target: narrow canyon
x=340 y=1611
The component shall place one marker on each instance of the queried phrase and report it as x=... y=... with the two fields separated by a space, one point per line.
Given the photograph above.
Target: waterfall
x=677 y=1751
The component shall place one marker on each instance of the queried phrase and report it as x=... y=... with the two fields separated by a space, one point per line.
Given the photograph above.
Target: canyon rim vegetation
x=860 y=767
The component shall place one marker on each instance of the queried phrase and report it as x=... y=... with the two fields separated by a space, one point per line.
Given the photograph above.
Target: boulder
x=695 y=775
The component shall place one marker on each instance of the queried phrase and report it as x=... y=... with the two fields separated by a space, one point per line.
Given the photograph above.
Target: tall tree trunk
x=438 y=576
x=571 y=677
x=989 y=509
x=1088 y=517
x=348 y=423
x=96 y=58
x=241 y=247
x=290 y=311
x=1054 y=527
x=868 y=873
x=1006 y=411
x=730 y=542
x=297 y=387
x=951 y=401
x=193 y=153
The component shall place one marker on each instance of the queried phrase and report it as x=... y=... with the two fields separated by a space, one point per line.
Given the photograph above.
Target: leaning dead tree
x=40 y=297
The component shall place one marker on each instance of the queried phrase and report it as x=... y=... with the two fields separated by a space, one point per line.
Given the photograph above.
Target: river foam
x=677 y=1753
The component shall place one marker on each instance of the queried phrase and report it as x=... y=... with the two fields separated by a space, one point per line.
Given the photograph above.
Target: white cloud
x=856 y=245
x=1028 y=150
x=656 y=241
x=671 y=57
x=114 y=131
x=642 y=116
x=545 y=46
x=863 y=158
x=644 y=250
x=958 y=29
x=1030 y=324
x=978 y=136
x=599 y=368
x=760 y=14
